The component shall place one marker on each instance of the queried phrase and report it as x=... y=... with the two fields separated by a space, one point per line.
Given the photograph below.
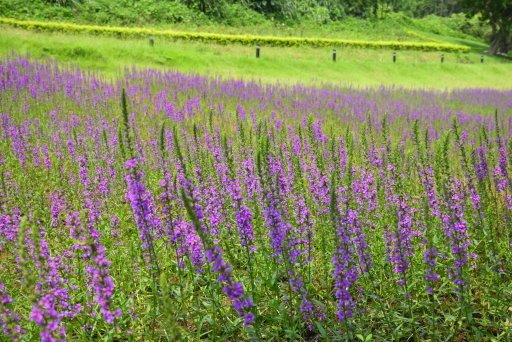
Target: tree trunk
x=500 y=40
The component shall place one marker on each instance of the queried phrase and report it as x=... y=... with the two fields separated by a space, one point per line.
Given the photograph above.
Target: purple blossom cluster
x=9 y=319
x=214 y=256
x=456 y=231
x=234 y=290
x=55 y=304
x=345 y=272
x=144 y=210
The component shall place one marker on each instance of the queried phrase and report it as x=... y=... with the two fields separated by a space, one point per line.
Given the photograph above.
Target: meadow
x=309 y=66
x=161 y=205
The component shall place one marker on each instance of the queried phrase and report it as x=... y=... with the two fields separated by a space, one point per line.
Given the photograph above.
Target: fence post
x=257 y=51
x=334 y=55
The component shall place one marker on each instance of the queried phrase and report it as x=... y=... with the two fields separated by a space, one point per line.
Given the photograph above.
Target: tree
x=442 y=8
x=213 y=8
x=499 y=15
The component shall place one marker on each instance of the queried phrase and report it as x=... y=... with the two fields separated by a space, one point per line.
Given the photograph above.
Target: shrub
x=238 y=15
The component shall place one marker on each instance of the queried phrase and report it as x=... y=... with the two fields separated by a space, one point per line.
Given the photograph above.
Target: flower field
x=163 y=206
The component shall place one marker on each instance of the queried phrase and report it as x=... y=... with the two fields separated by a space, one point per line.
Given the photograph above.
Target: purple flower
x=57 y=206
x=345 y=272
x=189 y=244
x=101 y=283
x=456 y=231
x=144 y=210
x=9 y=320
x=430 y=260
x=245 y=229
x=480 y=163
x=214 y=256
x=54 y=304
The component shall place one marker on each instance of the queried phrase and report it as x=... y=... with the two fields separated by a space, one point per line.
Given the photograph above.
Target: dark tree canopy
x=499 y=15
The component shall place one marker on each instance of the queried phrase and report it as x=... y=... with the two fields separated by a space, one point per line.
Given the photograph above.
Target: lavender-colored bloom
x=9 y=320
x=213 y=212
x=427 y=179
x=57 y=206
x=278 y=229
x=345 y=272
x=319 y=187
x=359 y=240
x=430 y=260
x=90 y=199
x=480 y=163
x=213 y=253
x=144 y=210
x=250 y=181
x=9 y=227
x=502 y=178
x=399 y=237
x=456 y=231
x=54 y=303
x=399 y=242
x=101 y=283
x=234 y=290
x=188 y=244
x=245 y=229
x=301 y=244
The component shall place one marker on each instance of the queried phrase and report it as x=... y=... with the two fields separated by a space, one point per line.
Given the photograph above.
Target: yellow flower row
x=225 y=39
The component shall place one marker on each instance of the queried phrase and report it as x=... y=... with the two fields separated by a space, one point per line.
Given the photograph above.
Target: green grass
x=356 y=67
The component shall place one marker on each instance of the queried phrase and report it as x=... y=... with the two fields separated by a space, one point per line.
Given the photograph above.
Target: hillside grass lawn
x=312 y=66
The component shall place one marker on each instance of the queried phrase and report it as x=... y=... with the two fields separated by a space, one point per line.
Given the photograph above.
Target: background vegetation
x=477 y=18
x=235 y=12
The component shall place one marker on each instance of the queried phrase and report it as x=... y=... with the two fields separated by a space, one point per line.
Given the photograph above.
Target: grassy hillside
x=355 y=67
x=229 y=39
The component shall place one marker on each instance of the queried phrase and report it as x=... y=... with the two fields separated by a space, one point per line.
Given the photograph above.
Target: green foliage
x=231 y=12
x=63 y=2
x=34 y=9
x=126 y=12
x=120 y=12
x=238 y=15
